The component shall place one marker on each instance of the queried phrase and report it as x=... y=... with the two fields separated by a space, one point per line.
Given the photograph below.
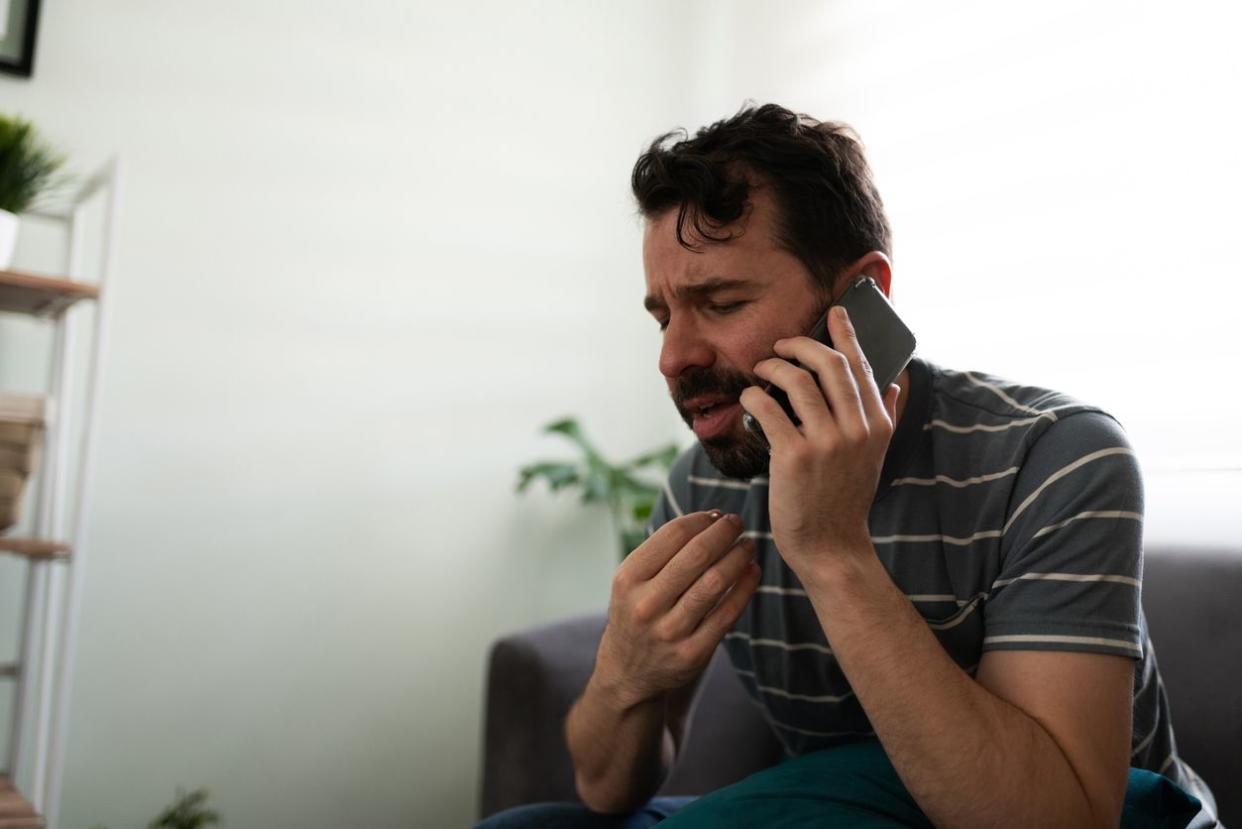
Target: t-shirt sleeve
x=1071 y=549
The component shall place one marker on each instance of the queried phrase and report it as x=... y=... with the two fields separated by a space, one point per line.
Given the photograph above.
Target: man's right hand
x=673 y=600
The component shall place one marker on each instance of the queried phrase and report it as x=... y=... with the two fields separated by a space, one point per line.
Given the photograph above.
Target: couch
x=1193 y=603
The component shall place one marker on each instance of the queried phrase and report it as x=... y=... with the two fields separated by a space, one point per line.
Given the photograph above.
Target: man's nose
x=684 y=348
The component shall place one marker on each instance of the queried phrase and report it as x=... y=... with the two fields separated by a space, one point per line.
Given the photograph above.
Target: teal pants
x=849 y=787
x=856 y=787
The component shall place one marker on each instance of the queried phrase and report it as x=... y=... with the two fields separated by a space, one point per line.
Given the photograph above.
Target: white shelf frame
x=53 y=596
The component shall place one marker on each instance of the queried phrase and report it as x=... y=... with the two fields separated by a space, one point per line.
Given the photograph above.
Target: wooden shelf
x=15 y=812
x=41 y=296
x=34 y=547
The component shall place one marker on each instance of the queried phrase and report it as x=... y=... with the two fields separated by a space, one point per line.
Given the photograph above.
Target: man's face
x=721 y=309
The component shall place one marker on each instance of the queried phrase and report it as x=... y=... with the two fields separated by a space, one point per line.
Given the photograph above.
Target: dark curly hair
x=828 y=210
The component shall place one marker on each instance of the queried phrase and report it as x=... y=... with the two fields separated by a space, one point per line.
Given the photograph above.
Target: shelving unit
x=55 y=549
x=15 y=811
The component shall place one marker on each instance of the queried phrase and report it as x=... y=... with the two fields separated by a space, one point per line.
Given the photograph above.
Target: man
x=945 y=571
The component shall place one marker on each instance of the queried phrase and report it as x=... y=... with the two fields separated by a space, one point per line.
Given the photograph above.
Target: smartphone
x=885 y=340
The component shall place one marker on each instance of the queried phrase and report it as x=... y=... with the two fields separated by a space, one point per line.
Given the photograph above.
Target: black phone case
x=885 y=340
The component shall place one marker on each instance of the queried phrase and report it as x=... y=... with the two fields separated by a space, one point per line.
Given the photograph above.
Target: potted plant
x=28 y=169
x=188 y=811
x=629 y=496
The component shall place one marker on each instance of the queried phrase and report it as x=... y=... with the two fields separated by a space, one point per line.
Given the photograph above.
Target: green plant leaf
x=28 y=167
x=662 y=457
x=569 y=428
x=186 y=812
x=557 y=474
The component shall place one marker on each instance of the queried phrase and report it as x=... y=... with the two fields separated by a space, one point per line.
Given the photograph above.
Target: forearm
x=620 y=749
x=968 y=757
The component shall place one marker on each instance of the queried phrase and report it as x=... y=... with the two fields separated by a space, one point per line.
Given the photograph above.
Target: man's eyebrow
x=699 y=289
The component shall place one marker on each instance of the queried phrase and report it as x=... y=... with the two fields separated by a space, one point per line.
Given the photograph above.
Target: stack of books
x=21 y=438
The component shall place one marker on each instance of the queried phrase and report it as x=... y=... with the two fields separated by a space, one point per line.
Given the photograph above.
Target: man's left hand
x=823 y=474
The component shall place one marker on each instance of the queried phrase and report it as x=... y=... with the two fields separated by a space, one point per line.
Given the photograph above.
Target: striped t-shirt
x=1010 y=516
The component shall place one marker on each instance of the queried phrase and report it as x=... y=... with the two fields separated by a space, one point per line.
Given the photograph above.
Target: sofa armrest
x=534 y=677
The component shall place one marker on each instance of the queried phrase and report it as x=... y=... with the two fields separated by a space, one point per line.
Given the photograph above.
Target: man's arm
x=673 y=600
x=1041 y=739
x=635 y=747
x=1014 y=748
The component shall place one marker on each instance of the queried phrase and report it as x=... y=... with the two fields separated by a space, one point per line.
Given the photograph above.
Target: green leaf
x=557 y=474
x=186 y=812
x=569 y=428
x=28 y=167
x=662 y=458
x=642 y=510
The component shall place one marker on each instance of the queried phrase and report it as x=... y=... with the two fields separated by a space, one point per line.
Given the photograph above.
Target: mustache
x=700 y=381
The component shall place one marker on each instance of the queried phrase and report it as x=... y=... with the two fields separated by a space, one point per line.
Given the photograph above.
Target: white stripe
x=1003 y=396
x=947 y=539
x=1066 y=640
x=672 y=500
x=1142 y=746
x=781 y=692
x=776 y=643
x=936 y=597
x=722 y=483
x=1133 y=582
x=960 y=541
x=986 y=427
x=962 y=614
x=1096 y=513
x=956 y=482
x=780 y=591
x=1061 y=473
x=914 y=597
x=1151 y=666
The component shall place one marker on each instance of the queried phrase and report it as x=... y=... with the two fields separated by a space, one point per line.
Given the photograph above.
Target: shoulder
x=982 y=414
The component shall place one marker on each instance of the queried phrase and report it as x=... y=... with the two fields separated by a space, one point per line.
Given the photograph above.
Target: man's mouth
x=710 y=418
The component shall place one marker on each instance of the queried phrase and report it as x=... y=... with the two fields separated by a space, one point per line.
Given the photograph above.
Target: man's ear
x=875 y=265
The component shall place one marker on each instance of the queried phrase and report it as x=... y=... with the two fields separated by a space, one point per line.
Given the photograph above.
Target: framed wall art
x=19 y=21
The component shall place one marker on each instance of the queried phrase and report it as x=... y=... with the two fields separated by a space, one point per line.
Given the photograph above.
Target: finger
x=709 y=588
x=891 y=396
x=845 y=339
x=805 y=394
x=651 y=556
x=776 y=425
x=690 y=562
x=836 y=380
x=717 y=623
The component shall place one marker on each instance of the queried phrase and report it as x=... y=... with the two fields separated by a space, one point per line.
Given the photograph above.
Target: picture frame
x=19 y=22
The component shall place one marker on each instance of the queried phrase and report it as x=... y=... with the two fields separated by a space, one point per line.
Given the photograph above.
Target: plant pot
x=8 y=238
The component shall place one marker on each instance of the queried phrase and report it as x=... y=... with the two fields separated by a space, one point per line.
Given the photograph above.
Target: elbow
x=596 y=798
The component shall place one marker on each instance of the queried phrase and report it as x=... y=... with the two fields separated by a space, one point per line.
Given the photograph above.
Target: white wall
x=1062 y=181
x=367 y=250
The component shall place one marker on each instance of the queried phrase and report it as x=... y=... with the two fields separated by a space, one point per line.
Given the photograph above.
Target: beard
x=737 y=453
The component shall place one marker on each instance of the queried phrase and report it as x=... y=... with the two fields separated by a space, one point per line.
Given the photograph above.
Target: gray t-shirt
x=1010 y=516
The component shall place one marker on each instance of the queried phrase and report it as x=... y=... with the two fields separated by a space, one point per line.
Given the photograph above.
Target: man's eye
x=725 y=307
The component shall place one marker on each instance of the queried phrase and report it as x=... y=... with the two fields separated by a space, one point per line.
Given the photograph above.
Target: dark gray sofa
x=1193 y=600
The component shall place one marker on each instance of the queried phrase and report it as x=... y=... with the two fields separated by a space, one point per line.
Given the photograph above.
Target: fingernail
x=735 y=520
x=841 y=313
x=715 y=514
